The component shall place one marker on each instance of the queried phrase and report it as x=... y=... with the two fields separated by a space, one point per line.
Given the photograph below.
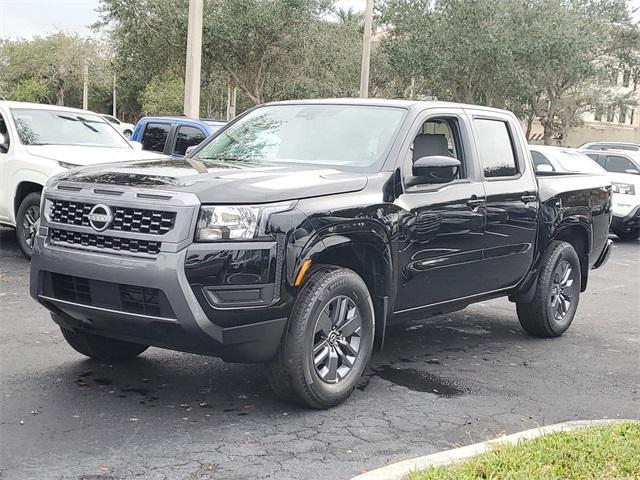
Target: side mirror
x=632 y=171
x=544 y=168
x=4 y=143
x=434 y=169
x=137 y=146
x=189 y=150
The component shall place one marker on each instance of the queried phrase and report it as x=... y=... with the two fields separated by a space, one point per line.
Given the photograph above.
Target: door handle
x=474 y=202
x=526 y=198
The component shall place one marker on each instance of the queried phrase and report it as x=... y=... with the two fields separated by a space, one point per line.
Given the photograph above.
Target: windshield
x=60 y=127
x=571 y=161
x=341 y=136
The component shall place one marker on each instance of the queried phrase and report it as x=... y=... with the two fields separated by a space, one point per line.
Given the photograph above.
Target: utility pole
x=231 y=101
x=85 y=87
x=114 y=96
x=194 y=60
x=366 y=50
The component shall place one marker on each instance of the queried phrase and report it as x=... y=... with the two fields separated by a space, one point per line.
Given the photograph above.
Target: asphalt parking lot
x=444 y=381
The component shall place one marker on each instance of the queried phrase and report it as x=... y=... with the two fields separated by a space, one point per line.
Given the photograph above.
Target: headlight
x=624 y=188
x=240 y=222
x=67 y=165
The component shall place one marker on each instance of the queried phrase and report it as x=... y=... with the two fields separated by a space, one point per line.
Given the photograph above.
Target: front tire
x=328 y=340
x=101 y=348
x=555 y=302
x=26 y=218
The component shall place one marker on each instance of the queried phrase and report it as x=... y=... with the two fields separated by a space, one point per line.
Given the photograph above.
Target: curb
x=398 y=471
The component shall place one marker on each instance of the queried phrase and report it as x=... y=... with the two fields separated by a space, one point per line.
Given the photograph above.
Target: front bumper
x=183 y=325
x=627 y=222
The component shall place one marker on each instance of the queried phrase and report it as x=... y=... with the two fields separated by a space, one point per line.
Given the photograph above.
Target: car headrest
x=430 y=144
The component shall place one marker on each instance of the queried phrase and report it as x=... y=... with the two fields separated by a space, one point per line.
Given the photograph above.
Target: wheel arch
x=369 y=254
x=23 y=189
x=579 y=237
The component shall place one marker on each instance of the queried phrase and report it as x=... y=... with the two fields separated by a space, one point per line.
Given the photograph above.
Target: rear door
x=511 y=199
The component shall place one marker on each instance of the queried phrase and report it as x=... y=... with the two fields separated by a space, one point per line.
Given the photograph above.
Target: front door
x=442 y=226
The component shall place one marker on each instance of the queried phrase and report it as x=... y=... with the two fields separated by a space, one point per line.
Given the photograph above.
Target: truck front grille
x=155 y=222
x=118 y=244
x=114 y=296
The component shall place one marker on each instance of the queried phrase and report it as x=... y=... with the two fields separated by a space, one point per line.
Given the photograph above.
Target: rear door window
x=155 y=136
x=618 y=164
x=495 y=147
x=187 y=137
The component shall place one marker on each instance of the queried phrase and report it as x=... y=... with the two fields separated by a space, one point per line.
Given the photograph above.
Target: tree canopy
x=550 y=60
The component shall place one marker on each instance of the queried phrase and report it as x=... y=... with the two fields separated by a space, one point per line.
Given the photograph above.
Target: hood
x=82 y=156
x=241 y=182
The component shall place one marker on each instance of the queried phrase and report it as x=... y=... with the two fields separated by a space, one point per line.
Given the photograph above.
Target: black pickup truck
x=295 y=234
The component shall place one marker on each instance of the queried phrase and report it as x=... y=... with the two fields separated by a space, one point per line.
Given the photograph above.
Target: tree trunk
x=530 y=119
x=60 y=96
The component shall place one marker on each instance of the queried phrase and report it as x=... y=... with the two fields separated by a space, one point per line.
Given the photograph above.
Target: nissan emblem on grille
x=100 y=217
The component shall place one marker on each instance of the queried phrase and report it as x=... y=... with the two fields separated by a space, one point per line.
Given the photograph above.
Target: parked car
x=40 y=141
x=623 y=168
x=633 y=147
x=125 y=128
x=173 y=135
x=559 y=159
x=298 y=232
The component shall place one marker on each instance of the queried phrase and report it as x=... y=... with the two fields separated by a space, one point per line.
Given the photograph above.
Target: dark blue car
x=173 y=135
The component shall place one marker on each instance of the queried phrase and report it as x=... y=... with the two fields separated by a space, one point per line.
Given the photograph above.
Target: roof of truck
x=41 y=106
x=386 y=102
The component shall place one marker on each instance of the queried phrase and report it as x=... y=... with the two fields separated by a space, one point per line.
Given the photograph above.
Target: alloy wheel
x=562 y=291
x=336 y=339
x=31 y=216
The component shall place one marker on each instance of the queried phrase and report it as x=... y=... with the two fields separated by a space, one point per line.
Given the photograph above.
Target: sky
x=29 y=18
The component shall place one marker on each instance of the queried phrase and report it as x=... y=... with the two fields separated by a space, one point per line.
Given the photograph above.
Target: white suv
x=40 y=141
x=623 y=168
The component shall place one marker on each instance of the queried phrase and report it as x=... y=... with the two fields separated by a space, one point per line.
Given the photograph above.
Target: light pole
x=85 y=86
x=194 y=60
x=114 y=95
x=366 y=50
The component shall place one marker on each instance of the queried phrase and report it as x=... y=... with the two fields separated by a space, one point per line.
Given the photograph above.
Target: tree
x=534 y=57
x=268 y=49
x=163 y=95
x=29 y=90
x=50 y=69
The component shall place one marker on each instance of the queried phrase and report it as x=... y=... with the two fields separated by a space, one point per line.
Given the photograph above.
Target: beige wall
x=592 y=132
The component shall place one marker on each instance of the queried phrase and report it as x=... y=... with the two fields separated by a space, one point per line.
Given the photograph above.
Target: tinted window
x=618 y=164
x=495 y=148
x=540 y=159
x=154 y=136
x=112 y=119
x=187 y=137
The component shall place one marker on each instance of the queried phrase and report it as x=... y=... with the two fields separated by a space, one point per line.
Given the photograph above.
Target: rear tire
x=328 y=340
x=26 y=218
x=101 y=348
x=627 y=235
x=555 y=302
